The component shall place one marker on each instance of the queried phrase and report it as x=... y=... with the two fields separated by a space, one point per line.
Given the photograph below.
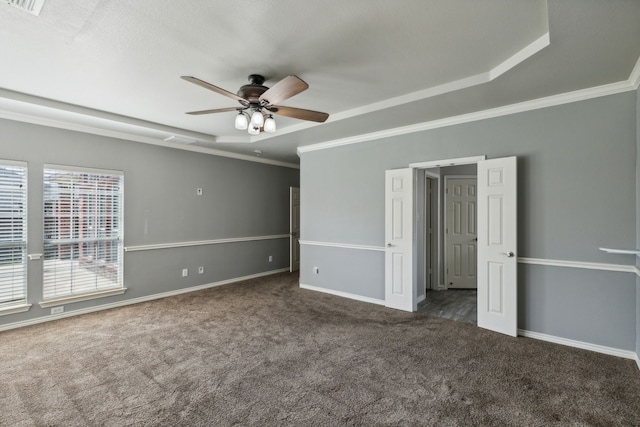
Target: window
x=82 y=232
x=13 y=234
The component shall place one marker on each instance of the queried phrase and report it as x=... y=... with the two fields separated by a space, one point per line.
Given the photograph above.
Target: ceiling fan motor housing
x=252 y=91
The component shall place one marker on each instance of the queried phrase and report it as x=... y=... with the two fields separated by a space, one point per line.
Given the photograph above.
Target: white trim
x=448 y=162
x=637 y=360
x=342 y=245
x=420 y=299
x=136 y=128
x=627 y=354
x=430 y=92
x=81 y=169
x=634 y=78
x=520 y=56
x=84 y=297
x=135 y=300
x=621 y=251
x=550 y=101
x=521 y=260
x=579 y=264
x=343 y=294
x=202 y=242
x=19 y=163
x=13 y=309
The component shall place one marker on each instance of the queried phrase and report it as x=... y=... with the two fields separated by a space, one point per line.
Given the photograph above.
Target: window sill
x=14 y=309
x=84 y=297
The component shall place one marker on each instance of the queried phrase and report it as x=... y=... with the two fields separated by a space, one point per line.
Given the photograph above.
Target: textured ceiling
x=371 y=64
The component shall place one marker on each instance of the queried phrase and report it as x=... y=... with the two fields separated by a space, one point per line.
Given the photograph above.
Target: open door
x=399 y=292
x=497 y=239
x=294 y=229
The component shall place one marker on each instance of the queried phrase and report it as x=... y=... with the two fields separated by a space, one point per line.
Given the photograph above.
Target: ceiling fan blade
x=216 y=89
x=285 y=88
x=216 y=110
x=299 y=113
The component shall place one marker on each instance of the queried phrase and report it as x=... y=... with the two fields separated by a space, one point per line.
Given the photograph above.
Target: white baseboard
x=123 y=303
x=421 y=298
x=343 y=294
x=580 y=344
x=638 y=360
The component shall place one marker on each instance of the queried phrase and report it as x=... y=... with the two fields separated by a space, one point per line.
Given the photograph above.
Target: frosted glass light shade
x=254 y=130
x=256 y=119
x=241 y=121
x=270 y=124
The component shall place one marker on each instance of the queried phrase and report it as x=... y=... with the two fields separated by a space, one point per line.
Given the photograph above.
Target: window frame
x=19 y=305
x=117 y=217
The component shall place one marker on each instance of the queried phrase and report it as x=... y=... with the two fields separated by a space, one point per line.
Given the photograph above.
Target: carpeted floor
x=265 y=352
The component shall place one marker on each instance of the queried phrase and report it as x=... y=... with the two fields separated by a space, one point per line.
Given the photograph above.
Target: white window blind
x=13 y=233
x=82 y=231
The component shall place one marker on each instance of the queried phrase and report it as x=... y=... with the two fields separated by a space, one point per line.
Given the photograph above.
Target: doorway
x=497 y=238
x=294 y=229
x=450 y=235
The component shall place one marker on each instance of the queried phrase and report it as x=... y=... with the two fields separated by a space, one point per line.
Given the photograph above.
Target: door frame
x=444 y=248
x=429 y=209
x=294 y=233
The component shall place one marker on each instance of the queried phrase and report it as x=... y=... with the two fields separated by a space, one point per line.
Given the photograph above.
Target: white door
x=461 y=233
x=294 y=229
x=497 y=268
x=399 y=291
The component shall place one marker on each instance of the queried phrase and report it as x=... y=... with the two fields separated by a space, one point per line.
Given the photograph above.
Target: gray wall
x=576 y=193
x=240 y=199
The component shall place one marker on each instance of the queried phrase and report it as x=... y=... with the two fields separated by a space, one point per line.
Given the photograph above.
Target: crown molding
x=98 y=123
x=551 y=101
x=485 y=77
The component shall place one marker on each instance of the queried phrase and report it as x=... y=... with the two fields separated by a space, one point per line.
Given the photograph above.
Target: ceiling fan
x=261 y=101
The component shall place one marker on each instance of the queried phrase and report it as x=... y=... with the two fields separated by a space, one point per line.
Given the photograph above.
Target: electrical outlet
x=185 y=272
x=57 y=310
x=200 y=270
x=270 y=258
x=316 y=270
x=199 y=191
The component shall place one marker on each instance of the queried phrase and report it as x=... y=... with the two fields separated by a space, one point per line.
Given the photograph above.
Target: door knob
x=508 y=254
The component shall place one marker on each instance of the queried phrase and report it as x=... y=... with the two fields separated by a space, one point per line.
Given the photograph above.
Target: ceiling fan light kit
x=242 y=122
x=270 y=124
x=261 y=101
x=257 y=120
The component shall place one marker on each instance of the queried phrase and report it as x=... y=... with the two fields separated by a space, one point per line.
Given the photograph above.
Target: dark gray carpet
x=264 y=352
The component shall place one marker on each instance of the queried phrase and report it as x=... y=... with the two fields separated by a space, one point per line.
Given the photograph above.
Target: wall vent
x=32 y=6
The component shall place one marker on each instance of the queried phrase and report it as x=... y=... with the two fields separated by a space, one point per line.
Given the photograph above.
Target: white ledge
x=621 y=251
x=21 y=308
x=84 y=297
x=579 y=264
